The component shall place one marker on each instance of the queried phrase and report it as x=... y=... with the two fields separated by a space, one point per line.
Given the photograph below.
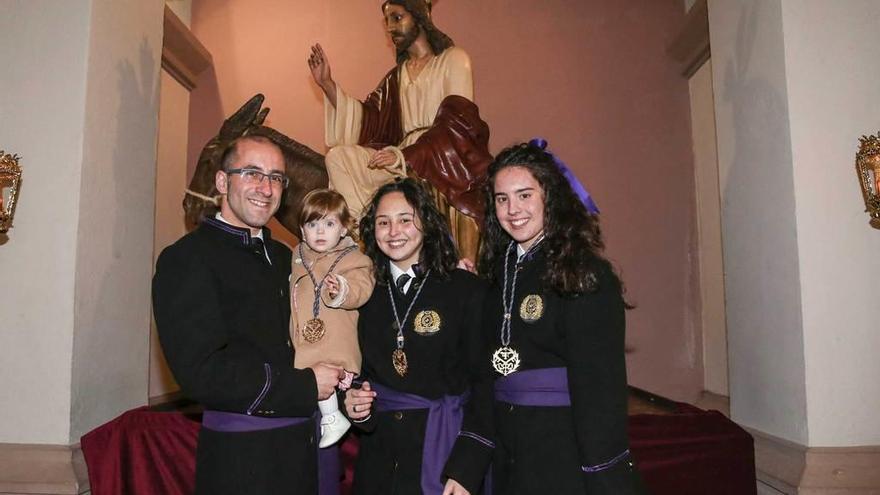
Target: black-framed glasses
x=254 y=176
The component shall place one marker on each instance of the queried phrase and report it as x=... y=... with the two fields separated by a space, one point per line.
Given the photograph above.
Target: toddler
x=331 y=278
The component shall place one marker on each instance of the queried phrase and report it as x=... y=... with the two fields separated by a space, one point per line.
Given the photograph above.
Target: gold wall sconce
x=10 y=183
x=868 y=170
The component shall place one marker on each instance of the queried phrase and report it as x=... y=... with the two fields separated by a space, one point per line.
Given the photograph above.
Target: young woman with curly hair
x=425 y=403
x=555 y=313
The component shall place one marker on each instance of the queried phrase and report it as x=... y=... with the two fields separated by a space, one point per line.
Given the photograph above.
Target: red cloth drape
x=693 y=452
x=142 y=452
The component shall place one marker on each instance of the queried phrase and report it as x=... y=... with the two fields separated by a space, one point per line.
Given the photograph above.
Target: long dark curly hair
x=438 y=252
x=572 y=239
x=421 y=12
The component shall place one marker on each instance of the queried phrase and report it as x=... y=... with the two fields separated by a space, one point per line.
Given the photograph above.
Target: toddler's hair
x=319 y=203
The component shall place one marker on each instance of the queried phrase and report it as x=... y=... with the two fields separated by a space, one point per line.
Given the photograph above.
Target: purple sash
x=230 y=422
x=329 y=465
x=444 y=422
x=537 y=387
x=546 y=387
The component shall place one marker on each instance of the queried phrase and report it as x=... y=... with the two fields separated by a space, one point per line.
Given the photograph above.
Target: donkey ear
x=261 y=117
x=244 y=117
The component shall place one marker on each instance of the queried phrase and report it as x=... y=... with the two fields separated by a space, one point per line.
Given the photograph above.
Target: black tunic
x=540 y=450
x=448 y=362
x=222 y=314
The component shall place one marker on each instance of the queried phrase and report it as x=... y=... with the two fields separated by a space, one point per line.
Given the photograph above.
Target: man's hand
x=382 y=159
x=453 y=488
x=320 y=68
x=327 y=377
x=359 y=402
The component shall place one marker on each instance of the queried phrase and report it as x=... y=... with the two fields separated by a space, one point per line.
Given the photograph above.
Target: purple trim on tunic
x=605 y=465
x=266 y=385
x=547 y=387
x=245 y=235
x=230 y=422
x=482 y=440
x=445 y=417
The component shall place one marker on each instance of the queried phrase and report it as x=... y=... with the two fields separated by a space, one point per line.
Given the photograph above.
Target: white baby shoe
x=333 y=426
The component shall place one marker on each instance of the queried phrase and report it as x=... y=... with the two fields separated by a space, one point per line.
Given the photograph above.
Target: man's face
x=398 y=230
x=251 y=205
x=401 y=26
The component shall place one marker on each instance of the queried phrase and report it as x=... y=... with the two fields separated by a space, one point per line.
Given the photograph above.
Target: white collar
x=396 y=272
x=258 y=235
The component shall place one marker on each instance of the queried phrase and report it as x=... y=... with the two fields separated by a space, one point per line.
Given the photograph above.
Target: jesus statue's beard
x=408 y=38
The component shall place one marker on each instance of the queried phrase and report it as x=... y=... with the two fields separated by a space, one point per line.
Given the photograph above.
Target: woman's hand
x=359 y=402
x=454 y=488
x=467 y=264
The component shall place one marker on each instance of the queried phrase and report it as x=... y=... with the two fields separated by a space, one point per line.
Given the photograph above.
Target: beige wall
x=81 y=107
x=709 y=253
x=764 y=323
x=182 y=9
x=41 y=105
x=170 y=185
x=834 y=97
x=592 y=77
x=115 y=233
x=795 y=86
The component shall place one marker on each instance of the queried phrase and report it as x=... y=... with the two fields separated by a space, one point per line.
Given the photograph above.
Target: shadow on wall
x=107 y=319
x=758 y=212
x=204 y=123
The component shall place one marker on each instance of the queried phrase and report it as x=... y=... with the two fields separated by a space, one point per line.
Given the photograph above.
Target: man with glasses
x=220 y=297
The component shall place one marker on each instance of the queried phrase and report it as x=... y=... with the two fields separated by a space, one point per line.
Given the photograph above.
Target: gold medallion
x=505 y=360
x=313 y=331
x=532 y=308
x=398 y=359
x=427 y=322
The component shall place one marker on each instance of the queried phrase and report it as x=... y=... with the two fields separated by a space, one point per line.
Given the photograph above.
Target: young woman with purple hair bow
x=555 y=318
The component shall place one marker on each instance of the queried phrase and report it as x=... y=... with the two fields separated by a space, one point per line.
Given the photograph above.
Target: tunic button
x=398 y=415
x=510 y=408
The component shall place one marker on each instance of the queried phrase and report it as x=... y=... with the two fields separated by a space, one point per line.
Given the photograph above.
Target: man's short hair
x=230 y=152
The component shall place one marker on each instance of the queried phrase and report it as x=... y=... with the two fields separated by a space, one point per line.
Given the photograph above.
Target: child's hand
x=332 y=284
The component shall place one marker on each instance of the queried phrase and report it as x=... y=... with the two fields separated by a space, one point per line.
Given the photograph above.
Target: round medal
x=313 y=331
x=505 y=360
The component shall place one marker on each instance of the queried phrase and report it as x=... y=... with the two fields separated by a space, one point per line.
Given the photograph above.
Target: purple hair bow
x=576 y=186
